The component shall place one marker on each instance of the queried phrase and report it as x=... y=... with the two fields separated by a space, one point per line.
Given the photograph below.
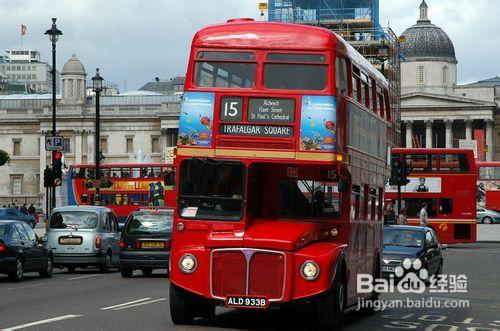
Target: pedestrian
x=389 y=214
x=24 y=209
x=14 y=205
x=403 y=217
x=32 y=210
x=424 y=218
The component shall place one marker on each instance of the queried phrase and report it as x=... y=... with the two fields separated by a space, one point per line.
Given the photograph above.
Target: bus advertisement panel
x=445 y=180
x=123 y=187
x=279 y=190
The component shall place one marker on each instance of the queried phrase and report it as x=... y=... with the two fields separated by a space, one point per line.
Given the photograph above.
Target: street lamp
x=97 y=88
x=53 y=34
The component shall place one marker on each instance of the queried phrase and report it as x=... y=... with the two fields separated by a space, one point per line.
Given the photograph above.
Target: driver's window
x=30 y=232
x=107 y=224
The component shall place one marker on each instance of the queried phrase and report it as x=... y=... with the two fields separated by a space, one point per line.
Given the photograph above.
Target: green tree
x=4 y=157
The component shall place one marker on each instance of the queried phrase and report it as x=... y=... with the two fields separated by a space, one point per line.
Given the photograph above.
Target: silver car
x=82 y=236
x=487 y=216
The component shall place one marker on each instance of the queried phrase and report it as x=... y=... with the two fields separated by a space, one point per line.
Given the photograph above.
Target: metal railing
x=302 y=15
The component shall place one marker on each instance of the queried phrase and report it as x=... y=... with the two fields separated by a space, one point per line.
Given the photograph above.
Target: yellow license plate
x=153 y=244
x=70 y=240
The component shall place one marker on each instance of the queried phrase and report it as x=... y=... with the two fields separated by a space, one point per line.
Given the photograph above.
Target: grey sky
x=135 y=41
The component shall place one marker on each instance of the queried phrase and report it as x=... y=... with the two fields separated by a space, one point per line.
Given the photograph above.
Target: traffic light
x=399 y=172
x=47 y=177
x=56 y=168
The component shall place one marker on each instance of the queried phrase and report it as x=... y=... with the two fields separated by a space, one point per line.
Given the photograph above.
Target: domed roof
x=426 y=42
x=73 y=67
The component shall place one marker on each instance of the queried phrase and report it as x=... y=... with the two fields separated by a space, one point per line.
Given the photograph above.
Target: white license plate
x=388 y=269
x=236 y=301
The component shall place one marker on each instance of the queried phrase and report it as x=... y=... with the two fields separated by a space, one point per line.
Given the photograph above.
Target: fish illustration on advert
x=318 y=127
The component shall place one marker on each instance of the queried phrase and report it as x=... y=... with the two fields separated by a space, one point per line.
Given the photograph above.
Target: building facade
x=130 y=122
x=24 y=67
x=435 y=110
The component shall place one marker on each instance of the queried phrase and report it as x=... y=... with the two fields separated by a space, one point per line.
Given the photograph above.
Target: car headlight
x=309 y=270
x=188 y=263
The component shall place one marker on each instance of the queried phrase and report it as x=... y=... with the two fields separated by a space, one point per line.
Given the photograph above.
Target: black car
x=411 y=242
x=21 y=251
x=145 y=241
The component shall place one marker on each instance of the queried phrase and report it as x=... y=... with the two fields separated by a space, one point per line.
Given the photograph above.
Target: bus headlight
x=309 y=270
x=188 y=263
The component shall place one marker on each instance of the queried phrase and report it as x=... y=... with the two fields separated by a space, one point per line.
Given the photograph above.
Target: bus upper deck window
x=453 y=163
x=225 y=69
x=282 y=69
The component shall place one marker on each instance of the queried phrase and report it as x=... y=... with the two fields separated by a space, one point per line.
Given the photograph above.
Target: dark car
x=14 y=214
x=145 y=241
x=411 y=242
x=21 y=251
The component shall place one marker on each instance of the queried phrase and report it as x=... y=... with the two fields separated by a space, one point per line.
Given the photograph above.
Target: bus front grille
x=253 y=272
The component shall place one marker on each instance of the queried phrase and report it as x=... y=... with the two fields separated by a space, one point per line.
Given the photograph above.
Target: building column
x=489 y=139
x=78 y=146
x=163 y=143
x=43 y=160
x=468 y=129
x=409 y=134
x=90 y=147
x=428 y=134
x=448 y=133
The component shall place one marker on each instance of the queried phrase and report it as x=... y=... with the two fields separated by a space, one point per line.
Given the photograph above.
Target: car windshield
x=399 y=237
x=3 y=229
x=211 y=189
x=73 y=220
x=155 y=222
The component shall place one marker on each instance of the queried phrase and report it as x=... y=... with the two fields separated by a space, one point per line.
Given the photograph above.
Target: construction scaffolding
x=357 y=21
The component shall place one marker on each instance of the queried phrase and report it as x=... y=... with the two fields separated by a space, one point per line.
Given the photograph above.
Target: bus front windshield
x=211 y=189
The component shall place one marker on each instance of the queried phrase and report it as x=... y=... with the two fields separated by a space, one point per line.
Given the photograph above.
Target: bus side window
x=446 y=206
x=355 y=203
x=341 y=75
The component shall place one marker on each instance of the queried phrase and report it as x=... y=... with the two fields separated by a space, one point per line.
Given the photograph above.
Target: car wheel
x=126 y=272
x=487 y=220
x=49 y=268
x=147 y=272
x=330 y=309
x=18 y=274
x=439 y=270
x=106 y=266
x=71 y=269
x=181 y=306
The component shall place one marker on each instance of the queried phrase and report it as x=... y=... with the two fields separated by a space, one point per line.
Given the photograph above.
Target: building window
x=67 y=145
x=17 y=147
x=130 y=145
x=420 y=75
x=16 y=184
x=103 y=145
x=155 y=144
x=445 y=75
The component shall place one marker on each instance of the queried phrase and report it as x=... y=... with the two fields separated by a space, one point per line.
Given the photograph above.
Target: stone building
x=130 y=122
x=435 y=111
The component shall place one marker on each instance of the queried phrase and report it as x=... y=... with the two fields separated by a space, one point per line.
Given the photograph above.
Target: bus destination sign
x=256 y=130
x=267 y=110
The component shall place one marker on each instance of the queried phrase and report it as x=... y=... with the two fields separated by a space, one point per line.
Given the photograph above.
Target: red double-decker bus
x=488 y=188
x=282 y=162
x=123 y=187
x=445 y=179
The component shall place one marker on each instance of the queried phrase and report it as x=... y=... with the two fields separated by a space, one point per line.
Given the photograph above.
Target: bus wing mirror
x=343 y=185
x=169 y=179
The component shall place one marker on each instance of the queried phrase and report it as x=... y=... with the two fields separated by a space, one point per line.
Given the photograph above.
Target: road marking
x=471 y=252
x=50 y=320
x=125 y=304
x=30 y=286
x=139 y=304
x=86 y=276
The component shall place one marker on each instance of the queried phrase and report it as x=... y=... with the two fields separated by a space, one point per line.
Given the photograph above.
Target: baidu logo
x=412 y=281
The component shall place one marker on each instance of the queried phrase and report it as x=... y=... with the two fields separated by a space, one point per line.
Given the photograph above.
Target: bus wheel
x=330 y=309
x=181 y=306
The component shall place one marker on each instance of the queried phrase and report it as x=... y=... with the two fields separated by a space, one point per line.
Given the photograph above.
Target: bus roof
x=125 y=165
x=245 y=34
x=432 y=151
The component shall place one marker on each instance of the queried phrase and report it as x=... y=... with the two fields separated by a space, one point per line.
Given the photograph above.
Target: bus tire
x=181 y=306
x=330 y=309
